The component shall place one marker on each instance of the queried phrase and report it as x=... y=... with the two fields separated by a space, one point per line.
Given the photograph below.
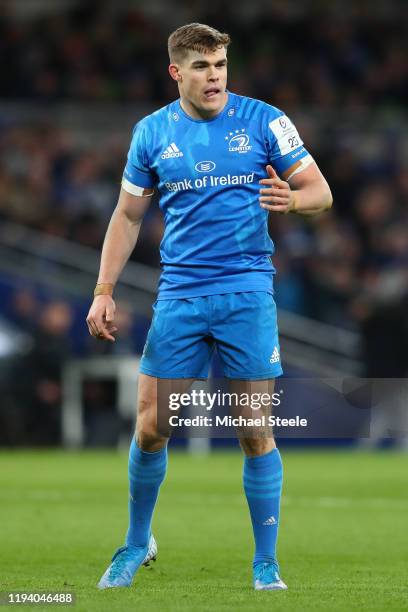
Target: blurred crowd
x=319 y=53
x=50 y=182
x=347 y=267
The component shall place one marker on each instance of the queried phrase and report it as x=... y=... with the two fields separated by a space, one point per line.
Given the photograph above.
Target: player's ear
x=174 y=72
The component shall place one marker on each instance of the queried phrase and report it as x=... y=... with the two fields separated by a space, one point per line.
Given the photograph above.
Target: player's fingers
x=281 y=195
x=271 y=172
x=274 y=182
x=107 y=336
x=276 y=207
x=93 y=329
x=111 y=328
x=104 y=334
x=90 y=322
x=95 y=323
x=274 y=191
x=270 y=181
x=109 y=316
x=274 y=200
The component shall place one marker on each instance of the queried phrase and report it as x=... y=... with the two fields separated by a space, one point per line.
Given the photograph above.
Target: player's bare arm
x=120 y=240
x=305 y=192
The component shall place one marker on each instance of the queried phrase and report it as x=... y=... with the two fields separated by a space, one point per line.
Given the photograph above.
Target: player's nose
x=213 y=75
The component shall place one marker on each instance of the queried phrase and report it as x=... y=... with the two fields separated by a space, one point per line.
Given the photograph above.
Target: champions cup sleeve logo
x=287 y=136
x=238 y=141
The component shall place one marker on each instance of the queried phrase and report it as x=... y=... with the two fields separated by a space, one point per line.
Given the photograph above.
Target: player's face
x=202 y=79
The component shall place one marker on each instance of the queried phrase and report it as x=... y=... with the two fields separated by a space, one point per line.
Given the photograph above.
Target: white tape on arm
x=304 y=163
x=135 y=190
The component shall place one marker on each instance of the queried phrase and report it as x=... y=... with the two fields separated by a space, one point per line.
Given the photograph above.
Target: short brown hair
x=196 y=37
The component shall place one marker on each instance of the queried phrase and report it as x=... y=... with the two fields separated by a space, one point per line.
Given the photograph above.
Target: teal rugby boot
x=266 y=577
x=125 y=563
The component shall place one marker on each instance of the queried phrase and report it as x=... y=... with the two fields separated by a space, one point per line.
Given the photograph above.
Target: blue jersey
x=207 y=173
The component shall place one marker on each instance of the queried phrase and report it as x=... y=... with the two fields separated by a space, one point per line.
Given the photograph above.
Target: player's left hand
x=277 y=195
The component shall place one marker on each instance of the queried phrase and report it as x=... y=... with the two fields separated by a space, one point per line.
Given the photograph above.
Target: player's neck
x=198 y=113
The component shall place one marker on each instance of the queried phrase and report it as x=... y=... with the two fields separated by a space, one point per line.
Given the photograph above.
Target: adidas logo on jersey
x=275 y=357
x=172 y=151
x=270 y=521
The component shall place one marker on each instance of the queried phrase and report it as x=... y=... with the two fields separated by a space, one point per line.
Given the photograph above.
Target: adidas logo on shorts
x=172 y=151
x=275 y=357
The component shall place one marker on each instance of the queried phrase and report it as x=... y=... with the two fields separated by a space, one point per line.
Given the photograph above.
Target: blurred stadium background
x=76 y=76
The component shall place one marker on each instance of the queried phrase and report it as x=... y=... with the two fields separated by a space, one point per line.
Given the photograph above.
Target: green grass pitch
x=343 y=540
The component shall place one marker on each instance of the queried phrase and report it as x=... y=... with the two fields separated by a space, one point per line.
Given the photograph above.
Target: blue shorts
x=184 y=333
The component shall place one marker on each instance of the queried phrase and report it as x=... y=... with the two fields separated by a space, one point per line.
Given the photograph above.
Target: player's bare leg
x=263 y=486
x=147 y=436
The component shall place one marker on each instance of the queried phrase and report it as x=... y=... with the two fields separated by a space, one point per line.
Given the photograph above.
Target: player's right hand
x=100 y=318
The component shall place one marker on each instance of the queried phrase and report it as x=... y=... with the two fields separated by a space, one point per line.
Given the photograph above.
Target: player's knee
x=254 y=447
x=147 y=435
x=150 y=440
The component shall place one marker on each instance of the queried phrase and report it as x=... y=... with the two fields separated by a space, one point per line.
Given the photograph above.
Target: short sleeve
x=137 y=170
x=285 y=146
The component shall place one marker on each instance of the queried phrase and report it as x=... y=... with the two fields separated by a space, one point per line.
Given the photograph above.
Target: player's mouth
x=211 y=92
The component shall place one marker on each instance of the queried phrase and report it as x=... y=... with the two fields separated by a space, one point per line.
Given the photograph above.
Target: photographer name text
x=239 y=421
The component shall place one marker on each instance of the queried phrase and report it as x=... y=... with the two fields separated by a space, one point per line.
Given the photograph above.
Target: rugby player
x=221 y=163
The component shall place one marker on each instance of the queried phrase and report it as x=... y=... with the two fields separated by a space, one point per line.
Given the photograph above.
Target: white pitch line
x=219 y=499
x=346 y=502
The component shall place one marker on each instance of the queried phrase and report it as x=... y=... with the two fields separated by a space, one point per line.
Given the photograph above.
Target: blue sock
x=263 y=487
x=146 y=473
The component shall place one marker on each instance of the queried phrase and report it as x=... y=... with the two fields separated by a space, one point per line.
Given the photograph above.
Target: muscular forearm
x=120 y=240
x=311 y=199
